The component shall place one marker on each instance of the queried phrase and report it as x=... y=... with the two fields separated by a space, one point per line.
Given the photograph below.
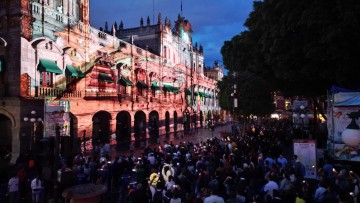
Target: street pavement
x=197 y=136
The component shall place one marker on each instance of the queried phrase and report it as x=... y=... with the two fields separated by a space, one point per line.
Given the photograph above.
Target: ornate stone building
x=125 y=86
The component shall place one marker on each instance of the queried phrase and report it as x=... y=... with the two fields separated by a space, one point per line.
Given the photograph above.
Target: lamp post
x=56 y=162
x=235 y=104
x=301 y=114
x=33 y=118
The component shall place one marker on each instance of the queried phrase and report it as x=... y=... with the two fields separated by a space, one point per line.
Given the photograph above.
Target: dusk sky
x=212 y=21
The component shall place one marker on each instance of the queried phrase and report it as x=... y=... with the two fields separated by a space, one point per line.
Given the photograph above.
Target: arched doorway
x=70 y=144
x=140 y=129
x=201 y=119
x=154 y=125
x=101 y=127
x=5 y=137
x=175 y=122
x=123 y=130
x=186 y=121
x=167 y=124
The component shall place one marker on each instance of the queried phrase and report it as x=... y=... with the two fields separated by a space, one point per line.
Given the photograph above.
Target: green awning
x=49 y=66
x=73 y=71
x=154 y=86
x=196 y=93
x=202 y=94
x=103 y=77
x=125 y=82
x=168 y=88
x=1 y=65
x=141 y=84
x=176 y=90
x=187 y=92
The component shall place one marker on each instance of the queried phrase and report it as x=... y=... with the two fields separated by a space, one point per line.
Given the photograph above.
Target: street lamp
x=33 y=118
x=301 y=117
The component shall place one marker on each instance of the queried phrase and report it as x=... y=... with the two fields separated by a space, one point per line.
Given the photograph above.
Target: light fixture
x=302 y=115
x=26 y=118
x=295 y=115
x=351 y=135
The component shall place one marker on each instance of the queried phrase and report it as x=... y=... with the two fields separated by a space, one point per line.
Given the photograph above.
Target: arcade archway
x=70 y=144
x=154 y=125
x=5 y=137
x=123 y=130
x=167 y=123
x=186 y=121
x=140 y=129
x=175 y=122
x=101 y=127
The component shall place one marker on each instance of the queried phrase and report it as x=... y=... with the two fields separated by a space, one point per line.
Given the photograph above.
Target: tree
x=253 y=94
x=299 y=47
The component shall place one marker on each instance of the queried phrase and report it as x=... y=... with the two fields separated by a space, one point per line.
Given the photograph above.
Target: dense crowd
x=232 y=169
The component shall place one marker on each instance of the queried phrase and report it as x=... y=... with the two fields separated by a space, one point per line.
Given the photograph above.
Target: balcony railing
x=101 y=95
x=56 y=92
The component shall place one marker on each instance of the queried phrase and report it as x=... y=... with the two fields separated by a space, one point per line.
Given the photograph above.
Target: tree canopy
x=299 y=47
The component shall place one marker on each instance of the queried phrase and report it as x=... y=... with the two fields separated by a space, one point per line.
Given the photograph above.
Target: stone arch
x=175 y=121
x=186 y=121
x=140 y=128
x=153 y=125
x=167 y=123
x=3 y=42
x=101 y=127
x=123 y=130
x=5 y=137
x=37 y=41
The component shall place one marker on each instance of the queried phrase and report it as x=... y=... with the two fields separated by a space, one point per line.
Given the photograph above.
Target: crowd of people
x=232 y=169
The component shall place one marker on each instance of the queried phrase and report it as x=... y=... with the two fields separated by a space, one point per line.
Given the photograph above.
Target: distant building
x=215 y=72
x=124 y=86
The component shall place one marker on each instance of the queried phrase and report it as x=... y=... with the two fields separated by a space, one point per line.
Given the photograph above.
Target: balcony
x=96 y=95
x=43 y=92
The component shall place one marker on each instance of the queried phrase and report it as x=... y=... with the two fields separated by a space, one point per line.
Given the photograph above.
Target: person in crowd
x=328 y=170
x=36 y=187
x=138 y=195
x=282 y=161
x=13 y=189
x=270 y=186
x=214 y=197
x=320 y=192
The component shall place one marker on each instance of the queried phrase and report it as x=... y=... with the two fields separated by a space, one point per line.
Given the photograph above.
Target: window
x=46 y=79
x=140 y=91
x=70 y=85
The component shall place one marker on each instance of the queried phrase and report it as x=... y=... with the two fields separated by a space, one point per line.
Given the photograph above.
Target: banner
x=340 y=120
x=340 y=105
x=306 y=152
x=57 y=113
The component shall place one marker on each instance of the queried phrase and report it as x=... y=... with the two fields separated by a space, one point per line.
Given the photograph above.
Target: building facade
x=126 y=86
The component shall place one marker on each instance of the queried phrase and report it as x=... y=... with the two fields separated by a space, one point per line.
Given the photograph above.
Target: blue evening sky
x=212 y=21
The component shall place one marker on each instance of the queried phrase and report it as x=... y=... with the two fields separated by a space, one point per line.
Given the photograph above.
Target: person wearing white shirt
x=13 y=189
x=270 y=187
x=36 y=189
x=214 y=198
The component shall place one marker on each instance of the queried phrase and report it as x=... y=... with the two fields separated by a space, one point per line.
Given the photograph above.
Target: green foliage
x=299 y=47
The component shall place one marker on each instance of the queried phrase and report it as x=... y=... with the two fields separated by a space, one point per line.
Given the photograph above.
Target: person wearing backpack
x=157 y=193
